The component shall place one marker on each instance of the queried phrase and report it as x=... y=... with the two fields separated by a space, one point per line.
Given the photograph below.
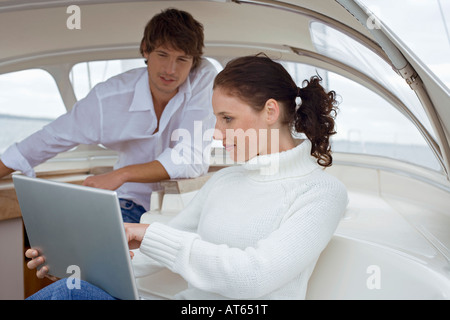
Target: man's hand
x=148 y=172
x=4 y=170
x=109 y=181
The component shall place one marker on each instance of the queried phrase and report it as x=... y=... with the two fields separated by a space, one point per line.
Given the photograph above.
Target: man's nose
x=170 y=66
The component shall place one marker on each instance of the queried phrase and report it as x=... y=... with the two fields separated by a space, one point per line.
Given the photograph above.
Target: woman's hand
x=135 y=232
x=35 y=262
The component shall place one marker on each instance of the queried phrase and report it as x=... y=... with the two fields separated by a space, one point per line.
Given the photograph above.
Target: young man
x=136 y=114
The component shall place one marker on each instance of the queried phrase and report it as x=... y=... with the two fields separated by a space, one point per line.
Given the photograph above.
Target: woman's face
x=242 y=130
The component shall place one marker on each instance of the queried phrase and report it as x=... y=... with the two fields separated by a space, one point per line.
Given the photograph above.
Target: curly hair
x=315 y=117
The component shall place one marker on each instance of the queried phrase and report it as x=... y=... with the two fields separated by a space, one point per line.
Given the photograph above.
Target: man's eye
x=183 y=59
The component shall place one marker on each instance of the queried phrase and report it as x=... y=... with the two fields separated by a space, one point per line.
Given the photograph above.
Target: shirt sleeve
x=189 y=155
x=249 y=273
x=82 y=125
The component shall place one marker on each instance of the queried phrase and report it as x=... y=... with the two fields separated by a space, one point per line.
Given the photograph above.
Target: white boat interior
x=392 y=149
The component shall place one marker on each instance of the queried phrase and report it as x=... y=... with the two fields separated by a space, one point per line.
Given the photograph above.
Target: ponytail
x=255 y=79
x=315 y=118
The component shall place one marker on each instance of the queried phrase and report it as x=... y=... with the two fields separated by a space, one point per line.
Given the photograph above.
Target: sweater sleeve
x=249 y=273
x=186 y=220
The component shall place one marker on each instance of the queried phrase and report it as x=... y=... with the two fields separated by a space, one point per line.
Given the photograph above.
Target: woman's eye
x=227 y=119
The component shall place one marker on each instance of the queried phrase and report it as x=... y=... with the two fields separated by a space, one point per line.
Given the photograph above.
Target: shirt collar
x=142 y=98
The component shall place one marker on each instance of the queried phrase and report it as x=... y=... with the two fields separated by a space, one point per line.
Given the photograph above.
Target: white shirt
x=250 y=233
x=119 y=114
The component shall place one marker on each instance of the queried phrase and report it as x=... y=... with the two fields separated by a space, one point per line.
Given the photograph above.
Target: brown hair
x=177 y=29
x=256 y=79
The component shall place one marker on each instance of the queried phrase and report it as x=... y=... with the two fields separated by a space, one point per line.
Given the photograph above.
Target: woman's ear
x=272 y=111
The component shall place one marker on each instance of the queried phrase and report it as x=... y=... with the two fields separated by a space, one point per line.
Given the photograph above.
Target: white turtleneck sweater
x=254 y=231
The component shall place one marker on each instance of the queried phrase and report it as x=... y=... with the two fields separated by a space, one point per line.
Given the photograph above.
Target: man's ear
x=144 y=50
x=272 y=111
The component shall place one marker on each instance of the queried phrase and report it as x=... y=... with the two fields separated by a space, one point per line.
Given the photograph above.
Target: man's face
x=168 y=69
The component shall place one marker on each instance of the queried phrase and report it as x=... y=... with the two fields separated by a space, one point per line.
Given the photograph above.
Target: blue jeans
x=131 y=211
x=59 y=290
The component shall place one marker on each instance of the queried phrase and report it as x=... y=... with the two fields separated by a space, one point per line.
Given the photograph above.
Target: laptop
x=80 y=232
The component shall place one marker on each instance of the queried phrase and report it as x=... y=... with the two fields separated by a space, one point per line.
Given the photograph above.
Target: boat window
x=85 y=75
x=430 y=44
x=368 y=124
x=30 y=99
x=335 y=44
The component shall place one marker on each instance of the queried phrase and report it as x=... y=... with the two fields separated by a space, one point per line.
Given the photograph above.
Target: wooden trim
x=9 y=205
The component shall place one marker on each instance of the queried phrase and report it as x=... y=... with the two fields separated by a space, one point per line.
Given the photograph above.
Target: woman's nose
x=218 y=134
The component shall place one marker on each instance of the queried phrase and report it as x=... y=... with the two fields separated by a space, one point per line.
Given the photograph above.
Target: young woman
x=254 y=230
